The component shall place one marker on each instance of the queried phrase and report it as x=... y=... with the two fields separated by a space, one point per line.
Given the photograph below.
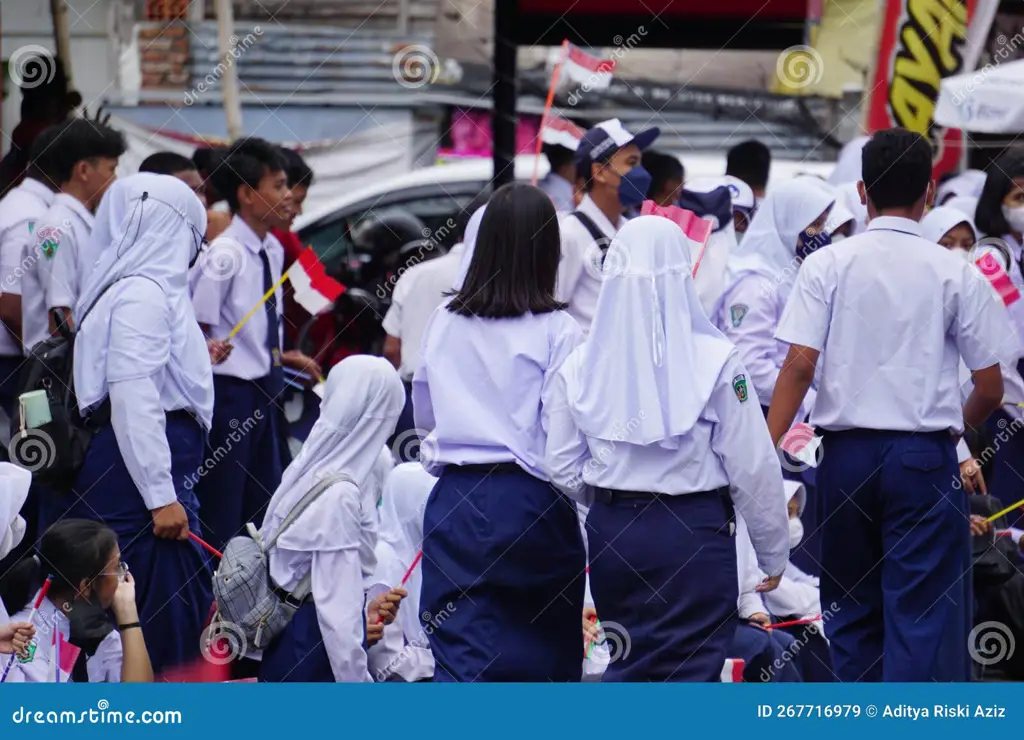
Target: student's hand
x=15 y=637
x=374 y=633
x=970 y=474
x=980 y=525
x=760 y=619
x=125 y=609
x=591 y=632
x=170 y=522
x=303 y=364
x=768 y=584
x=219 y=350
x=384 y=607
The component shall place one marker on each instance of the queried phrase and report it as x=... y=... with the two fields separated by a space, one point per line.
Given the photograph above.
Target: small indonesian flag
x=64 y=656
x=581 y=68
x=561 y=132
x=695 y=228
x=997 y=277
x=314 y=290
x=732 y=671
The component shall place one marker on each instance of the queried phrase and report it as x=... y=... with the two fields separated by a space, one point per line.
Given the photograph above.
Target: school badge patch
x=739 y=386
x=49 y=241
x=737 y=313
x=30 y=653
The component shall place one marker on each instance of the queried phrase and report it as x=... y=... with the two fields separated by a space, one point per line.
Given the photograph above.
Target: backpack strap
x=595 y=232
x=302 y=590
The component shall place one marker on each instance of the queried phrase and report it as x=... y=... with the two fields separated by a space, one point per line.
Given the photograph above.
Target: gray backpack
x=249 y=605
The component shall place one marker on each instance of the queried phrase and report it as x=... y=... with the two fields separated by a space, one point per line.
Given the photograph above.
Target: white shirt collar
x=895 y=223
x=247 y=236
x=590 y=208
x=38 y=189
x=76 y=206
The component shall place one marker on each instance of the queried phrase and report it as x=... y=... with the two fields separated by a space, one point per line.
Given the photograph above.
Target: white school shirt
x=478 y=390
x=560 y=190
x=417 y=293
x=748 y=576
x=227 y=283
x=103 y=667
x=579 y=272
x=892 y=315
x=750 y=311
x=52 y=281
x=20 y=210
x=728 y=446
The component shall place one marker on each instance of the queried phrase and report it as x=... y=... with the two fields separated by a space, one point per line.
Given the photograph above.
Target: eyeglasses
x=121 y=572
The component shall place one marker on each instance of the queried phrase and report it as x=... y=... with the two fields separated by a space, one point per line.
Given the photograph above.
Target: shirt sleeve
x=741 y=440
x=749 y=601
x=750 y=319
x=963 y=452
x=567 y=453
x=385 y=657
x=808 y=307
x=12 y=246
x=211 y=287
x=393 y=318
x=338 y=594
x=570 y=267
x=105 y=665
x=60 y=273
x=982 y=328
x=139 y=424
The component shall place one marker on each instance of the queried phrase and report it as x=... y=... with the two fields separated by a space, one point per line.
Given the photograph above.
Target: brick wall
x=164 y=55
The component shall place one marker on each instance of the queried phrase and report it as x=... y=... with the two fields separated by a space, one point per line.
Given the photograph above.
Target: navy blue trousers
x=812 y=651
x=298 y=654
x=243 y=463
x=768 y=655
x=407 y=450
x=503 y=557
x=172 y=578
x=1006 y=482
x=895 y=556
x=664 y=573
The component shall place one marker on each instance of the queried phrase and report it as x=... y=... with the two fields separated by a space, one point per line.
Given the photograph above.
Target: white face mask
x=796 y=532
x=1014 y=216
x=838 y=237
x=961 y=252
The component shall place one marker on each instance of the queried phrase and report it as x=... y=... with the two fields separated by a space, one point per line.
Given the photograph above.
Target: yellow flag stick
x=1007 y=510
x=264 y=299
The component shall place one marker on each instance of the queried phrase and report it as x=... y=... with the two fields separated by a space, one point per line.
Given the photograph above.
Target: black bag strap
x=595 y=232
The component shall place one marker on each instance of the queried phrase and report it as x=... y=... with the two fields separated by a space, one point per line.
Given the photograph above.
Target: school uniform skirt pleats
x=663 y=575
x=172 y=578
x=503 y=577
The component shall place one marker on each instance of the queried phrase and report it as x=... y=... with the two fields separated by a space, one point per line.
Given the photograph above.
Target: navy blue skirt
x=172 y=578
x=503 y=578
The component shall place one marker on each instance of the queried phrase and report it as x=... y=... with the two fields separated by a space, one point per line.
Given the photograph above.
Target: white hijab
x=848 y=163
x=849 y=198
x=938 y=221
x=159 y=236
x=968 y=183
x=967 y=204
x=652 y=358
x=469 y=245
x=769 y=246
x=14 y=485
x=840 y=214
x=363 y=398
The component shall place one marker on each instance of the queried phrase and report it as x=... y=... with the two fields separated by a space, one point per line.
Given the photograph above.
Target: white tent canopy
x=987 y=101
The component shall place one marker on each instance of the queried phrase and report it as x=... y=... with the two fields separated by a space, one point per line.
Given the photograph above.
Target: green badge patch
x=49 y=240
x=31 y=226
x=29 y=654
x=737 y=313
x=739 y=385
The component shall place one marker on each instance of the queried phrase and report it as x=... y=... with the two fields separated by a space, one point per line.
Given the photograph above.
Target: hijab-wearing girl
x=334 y=538
x=501 y=545
x=404 y=652
x=143 y=378
x=654 y=424
x=1000 y=213
x=89 y=578
x=789 y=225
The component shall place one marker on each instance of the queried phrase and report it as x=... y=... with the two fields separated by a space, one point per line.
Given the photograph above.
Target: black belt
x=287 y=598
x=608 y=496
x=495 y=467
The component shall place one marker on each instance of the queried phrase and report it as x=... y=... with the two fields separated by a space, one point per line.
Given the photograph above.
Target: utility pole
x=229 y=79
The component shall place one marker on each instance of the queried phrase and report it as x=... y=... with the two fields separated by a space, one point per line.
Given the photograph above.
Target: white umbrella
x=987 y=101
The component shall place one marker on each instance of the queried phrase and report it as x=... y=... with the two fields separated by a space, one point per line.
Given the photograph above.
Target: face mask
x=810 y=244
x=838 y=237
x=796 y=532
x=961 y=252
x=1014 y=216
x=633 y=187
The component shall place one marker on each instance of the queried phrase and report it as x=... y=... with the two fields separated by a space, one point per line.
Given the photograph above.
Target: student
x=325 y=640
x=890 y=315
x=501 y=544
x=666 y=177
x=665 y=462
x=20 y=210
x=848 y=197
x=235 y=273
x=300 y=178
x=751 y=162
x=418 y=292
x=142 y=379
x=788 y=227
x=176 y=165
x=711 y=199
x=609 y=158
x=1000 y=213
x=404 y=653
x=559 y=182
x=968 y=183
x=83 y=156
x=84 y=560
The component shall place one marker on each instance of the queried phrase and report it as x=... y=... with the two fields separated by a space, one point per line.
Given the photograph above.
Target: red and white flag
x=561 y=132
x=695 y=228
x=732 y=671
x=65 y=654
x=581 y=68
x=314 y=290
x=998 y=279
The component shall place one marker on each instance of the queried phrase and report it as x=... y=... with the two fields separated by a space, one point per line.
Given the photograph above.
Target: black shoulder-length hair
x=515 y=261
x=989 y=215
